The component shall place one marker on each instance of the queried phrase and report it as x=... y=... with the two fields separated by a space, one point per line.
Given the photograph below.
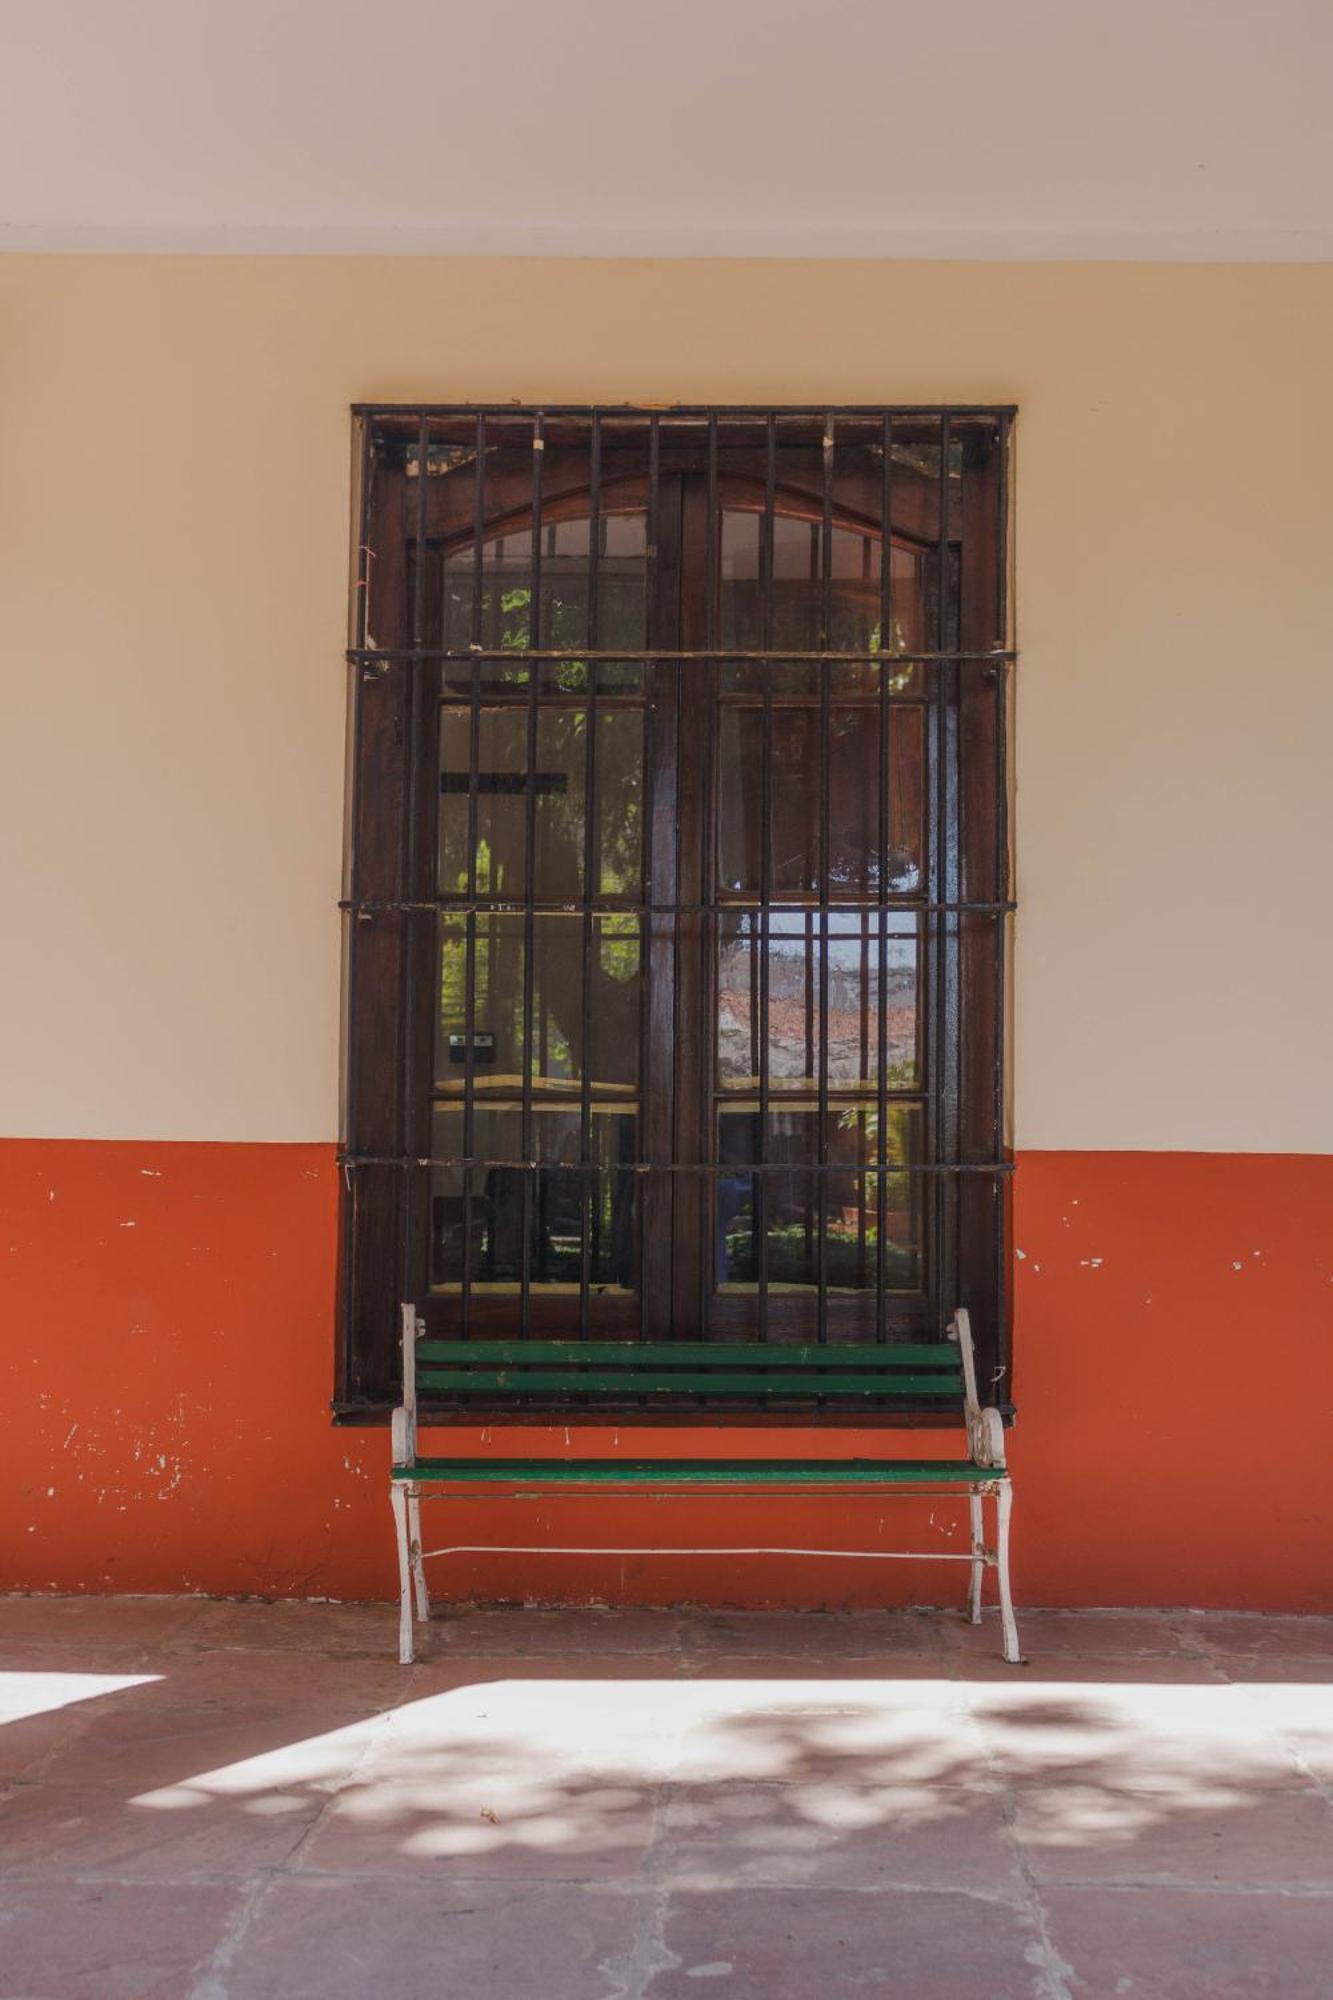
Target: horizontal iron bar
x=700 y=410
x=701 y=1472
x=914 y=1354
x=626 y=656
x=739 y=907
x=734 y=1168
x=644 y=1382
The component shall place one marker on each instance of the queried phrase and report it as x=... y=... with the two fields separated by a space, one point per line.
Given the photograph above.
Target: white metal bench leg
x=414 y=1551
x=399 y=1500
x=1004 y=1506
x=978 y=1516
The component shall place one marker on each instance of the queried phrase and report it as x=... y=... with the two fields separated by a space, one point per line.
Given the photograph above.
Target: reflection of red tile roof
x=787 y=1020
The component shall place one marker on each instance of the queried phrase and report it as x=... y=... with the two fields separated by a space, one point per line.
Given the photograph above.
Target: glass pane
x=564 y=620
x=622 y=583
x=857 y=611
x=907 y=614
x=619 y=830
x=506 y=592
x=559 y=1194
x=794 y=816
x=791 y=1199
x=856 y=592
x=741 y=618
x=794 y=957
x=854 y=790
x=796 y=775
x=504 y=787
x=506 y=600
x=556 y=1054
x=500 y=800
x=797 y=590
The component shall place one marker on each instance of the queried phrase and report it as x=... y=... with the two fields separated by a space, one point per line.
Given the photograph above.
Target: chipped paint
x=191 y=1446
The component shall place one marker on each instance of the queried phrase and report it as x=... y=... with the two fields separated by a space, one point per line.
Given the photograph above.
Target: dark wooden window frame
x=852 y=467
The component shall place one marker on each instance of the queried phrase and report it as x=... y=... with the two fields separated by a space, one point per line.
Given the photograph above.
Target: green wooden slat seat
x=538 y=1472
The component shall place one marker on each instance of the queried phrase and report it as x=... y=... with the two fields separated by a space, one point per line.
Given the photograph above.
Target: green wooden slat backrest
x=508 y=1368
x=932 y=1355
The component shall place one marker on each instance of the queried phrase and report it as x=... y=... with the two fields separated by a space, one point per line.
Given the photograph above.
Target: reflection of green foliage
x=515 y=606
x=898 y=644
x=900 y=1076
x=620 y=947
x=793 y=1256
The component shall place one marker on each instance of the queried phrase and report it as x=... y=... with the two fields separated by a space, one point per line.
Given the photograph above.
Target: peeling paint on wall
x=177 y=1435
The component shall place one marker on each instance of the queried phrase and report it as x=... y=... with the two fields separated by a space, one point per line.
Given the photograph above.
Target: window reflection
x=555 y=787
x=794 y=831
x=793 y=953
x=500 y=991
x=506 y=611
x=787 y=1237
x=856 y=608
x=560 y=1200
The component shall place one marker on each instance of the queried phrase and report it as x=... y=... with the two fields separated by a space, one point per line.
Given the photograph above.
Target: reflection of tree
x=559 y=816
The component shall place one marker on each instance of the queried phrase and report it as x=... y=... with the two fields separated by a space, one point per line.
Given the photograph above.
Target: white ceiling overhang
x=862 y=128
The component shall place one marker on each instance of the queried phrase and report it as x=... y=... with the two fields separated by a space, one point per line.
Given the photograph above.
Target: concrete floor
x=222 y=1802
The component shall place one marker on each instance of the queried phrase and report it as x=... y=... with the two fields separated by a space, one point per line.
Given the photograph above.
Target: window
x=677 y=878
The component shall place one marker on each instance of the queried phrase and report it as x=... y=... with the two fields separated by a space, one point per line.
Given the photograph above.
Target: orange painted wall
x=166 y=1368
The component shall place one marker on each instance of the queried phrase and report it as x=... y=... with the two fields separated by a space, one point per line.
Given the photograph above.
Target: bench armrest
x=985 y=1427
x=403 y=1423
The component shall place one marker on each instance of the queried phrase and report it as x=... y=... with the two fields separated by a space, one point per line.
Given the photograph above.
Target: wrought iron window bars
x=803 y=611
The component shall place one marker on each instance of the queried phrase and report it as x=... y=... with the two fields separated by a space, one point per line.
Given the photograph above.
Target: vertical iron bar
x=358 y=675
x=885 y=880
x=1000 y=920
x=530 y=1168
x=645 y=1196
x=759 y=1182
x=708 y=928
x=944 y=1203
x=679 y=891
x=863 y=1071
x=407 y=875
x=825 y=807
x=1003 y=447
x=588 y=1189
x=470 y=922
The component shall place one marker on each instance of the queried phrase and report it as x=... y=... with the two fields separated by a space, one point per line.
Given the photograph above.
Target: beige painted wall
x=173 y=537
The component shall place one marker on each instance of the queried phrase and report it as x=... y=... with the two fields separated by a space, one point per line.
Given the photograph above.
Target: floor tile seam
x=110 y=1878
x=630 y=1974
x=1323 y=1785
x=327 y=1798
x=1054 y=1975
x=741 y=1647
x=1281 y=1734
x=1291 y=1782
x=180 y=1640
x=210 y=1981
x=855 y=1787
x=696 y=1882
x=1225 y=1658
x=278 y=1876
x=703 y=1882
x=1299 y=1892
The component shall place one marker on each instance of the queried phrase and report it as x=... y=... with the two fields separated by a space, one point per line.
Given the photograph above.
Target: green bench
x=593 y=1380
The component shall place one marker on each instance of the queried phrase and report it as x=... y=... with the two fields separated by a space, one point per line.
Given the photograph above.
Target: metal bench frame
x=518 y=1372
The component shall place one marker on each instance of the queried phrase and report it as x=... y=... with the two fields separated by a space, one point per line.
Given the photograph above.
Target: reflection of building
x=794 y=1019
